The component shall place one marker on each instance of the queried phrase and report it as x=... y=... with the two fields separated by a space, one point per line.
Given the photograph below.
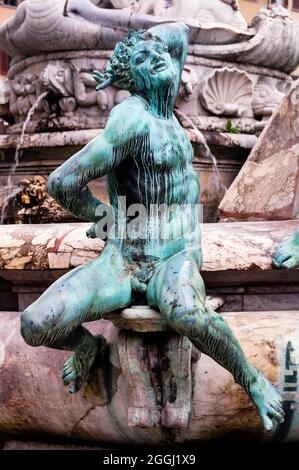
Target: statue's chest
x=168 y=144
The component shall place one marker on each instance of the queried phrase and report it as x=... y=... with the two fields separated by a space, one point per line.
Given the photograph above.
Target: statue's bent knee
x=32 y=329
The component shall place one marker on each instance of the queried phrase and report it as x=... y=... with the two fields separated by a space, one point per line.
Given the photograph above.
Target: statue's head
x=140 y=63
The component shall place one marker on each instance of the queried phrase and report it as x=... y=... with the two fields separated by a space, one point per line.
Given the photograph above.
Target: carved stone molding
x=211 y=92
x=72 y=101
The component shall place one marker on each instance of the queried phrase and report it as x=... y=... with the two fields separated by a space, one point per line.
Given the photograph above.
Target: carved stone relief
x=217 y=11
x=92 y=25
x=266 y=97
x=211 y=93
x=227 y=92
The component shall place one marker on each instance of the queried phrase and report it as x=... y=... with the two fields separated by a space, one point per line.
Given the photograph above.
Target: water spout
x=9 y=186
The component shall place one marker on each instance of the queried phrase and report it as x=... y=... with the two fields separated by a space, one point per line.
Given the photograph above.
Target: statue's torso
x=158 y=171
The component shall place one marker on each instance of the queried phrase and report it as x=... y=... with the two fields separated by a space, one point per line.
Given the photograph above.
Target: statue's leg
x=178 y=290
x=81 y=295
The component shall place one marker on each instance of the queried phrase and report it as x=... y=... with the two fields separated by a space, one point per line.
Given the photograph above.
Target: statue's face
x=151 y=66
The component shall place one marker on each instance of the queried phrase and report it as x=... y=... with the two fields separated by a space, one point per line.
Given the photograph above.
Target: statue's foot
x=77 y=368
x=268 y=401
x=287 y=254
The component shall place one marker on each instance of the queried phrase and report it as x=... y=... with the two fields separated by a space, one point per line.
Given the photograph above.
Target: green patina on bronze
x=147 y=158
x=287 y=253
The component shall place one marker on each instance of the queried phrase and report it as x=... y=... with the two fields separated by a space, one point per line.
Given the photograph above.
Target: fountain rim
x=81 y=137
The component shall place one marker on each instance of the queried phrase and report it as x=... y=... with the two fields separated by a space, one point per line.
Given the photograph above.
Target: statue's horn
x=104 y=79
x=105 y=84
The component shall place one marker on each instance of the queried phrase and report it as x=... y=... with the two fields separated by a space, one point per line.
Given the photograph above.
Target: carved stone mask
x=58 y=78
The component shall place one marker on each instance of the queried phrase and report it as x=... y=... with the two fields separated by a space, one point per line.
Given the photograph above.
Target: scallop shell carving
x=228 y=92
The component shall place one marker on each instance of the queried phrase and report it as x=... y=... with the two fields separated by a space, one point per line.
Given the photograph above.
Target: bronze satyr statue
x=147 y=158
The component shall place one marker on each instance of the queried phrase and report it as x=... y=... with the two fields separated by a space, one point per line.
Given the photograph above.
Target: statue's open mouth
x=159 y=67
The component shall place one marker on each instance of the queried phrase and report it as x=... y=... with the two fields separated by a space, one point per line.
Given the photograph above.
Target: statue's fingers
x=91 y=233
x=98 y=76
x=67 y=379
x=276 y=415
x=98 y=79
x=278 y=410
x=105 y=83
x=267 y=422
x=75 y=387
x=280 y=258
x=291 y=263
x=67 y=369
x=275 y=263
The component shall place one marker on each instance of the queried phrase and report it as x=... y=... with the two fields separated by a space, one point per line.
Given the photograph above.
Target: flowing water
x=10 y=188
x=214 y=193
x=206 y=154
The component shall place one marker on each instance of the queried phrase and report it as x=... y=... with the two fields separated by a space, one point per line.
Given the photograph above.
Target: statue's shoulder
x=128 y=119
x=131 y=104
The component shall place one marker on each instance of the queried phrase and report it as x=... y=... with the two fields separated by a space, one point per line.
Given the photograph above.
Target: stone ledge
x=141 y=319
x=82 y=137
x=144 y=319
x=242 y=247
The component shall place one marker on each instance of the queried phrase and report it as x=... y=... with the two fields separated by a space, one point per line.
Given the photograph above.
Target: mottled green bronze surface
x=287 y=253
x=147 y=158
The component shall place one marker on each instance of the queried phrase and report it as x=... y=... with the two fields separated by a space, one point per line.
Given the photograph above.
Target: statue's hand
x=102 y=79
x=287 y=254
x=92 y=231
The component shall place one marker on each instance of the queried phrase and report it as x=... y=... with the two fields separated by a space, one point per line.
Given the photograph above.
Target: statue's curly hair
x=118 y=69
